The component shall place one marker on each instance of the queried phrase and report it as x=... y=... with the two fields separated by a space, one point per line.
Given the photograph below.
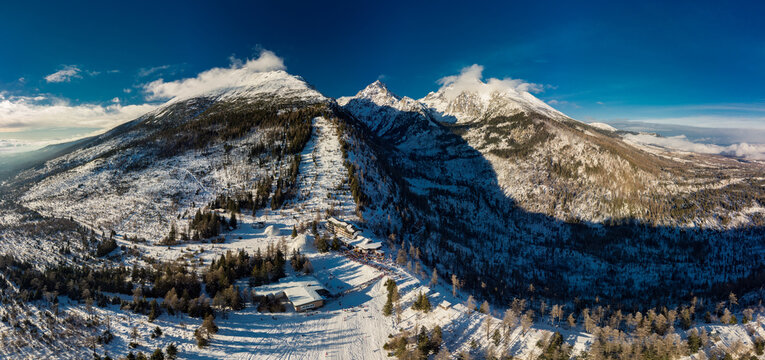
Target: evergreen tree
x=321 y=244
x=157 y=355
x=171 y=351
x=232 y=223
x=154 y=310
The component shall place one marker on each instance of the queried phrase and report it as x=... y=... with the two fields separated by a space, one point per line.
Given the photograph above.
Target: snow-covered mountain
x=547 y=162
x=176 y=158
x=491 y=184
x=403 y=120
x=504 y=184
x=452 y=103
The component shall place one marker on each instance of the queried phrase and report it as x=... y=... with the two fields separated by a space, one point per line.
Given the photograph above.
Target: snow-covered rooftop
x=299 y=291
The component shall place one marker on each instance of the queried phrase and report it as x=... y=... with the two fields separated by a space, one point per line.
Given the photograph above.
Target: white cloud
x=682 y=143
x=8 y=146
x=470 y=79
x=555 y=102
x=42 y=113
x=23 y=113
x=66 y=74
x=238 y=74
x=144 y=72
x=711 y=121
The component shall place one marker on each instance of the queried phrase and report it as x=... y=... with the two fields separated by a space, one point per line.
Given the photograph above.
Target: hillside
x=475 y=196
x=518 y=194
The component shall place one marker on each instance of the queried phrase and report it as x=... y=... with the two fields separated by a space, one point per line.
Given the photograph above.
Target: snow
x=271 y=231
x=351 y=325
x=300 y=291
x=603 y=126
x=457 y=104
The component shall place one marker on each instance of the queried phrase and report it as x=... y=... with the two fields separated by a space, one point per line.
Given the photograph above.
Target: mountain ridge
x=503 y=201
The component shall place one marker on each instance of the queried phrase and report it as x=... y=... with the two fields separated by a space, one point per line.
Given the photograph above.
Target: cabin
x=303 y=293
x=304 y=298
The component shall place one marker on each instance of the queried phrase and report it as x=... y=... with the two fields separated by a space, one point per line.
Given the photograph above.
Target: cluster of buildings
x=306 y=293
x=352 y=238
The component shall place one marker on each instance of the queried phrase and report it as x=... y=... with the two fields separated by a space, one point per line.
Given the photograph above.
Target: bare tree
x=443 y=354
x=509 y=321
x=555 y=314
x=571 y=320
x=485 y=307
x=134 y=334
x=732 y=300
x=487 y=325
x=748 y=314
x=726 y=318
x=401 y=257
x=455 y=284
x=470 y=303
x=527 y=320
x=434 y=278
x=542 y=308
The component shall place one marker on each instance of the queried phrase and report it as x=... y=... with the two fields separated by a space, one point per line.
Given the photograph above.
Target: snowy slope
x=453 y=104
x=129 y=169
x=481 y=196
x=402 y=120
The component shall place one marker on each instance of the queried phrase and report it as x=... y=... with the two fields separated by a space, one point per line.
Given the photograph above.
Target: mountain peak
x=378 y=91
x=467 y=103
x=378 y=84
x=239 y=83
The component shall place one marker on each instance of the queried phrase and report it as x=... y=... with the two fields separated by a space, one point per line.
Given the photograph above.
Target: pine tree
x=156 y=333
x=232 y=223
x=154 y=310
x=172 y=236
x=157 y=355
x=209 y=324
x=321 y=244
x=171 y=351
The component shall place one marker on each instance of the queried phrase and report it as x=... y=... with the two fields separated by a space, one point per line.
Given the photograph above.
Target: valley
x=514 y=230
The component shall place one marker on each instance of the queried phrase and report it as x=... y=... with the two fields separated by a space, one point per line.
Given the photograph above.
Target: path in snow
x=321 y=172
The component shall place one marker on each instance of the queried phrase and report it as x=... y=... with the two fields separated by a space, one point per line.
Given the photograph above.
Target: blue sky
x=692 y=63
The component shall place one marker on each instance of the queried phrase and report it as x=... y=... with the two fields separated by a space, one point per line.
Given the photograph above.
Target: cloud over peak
x=239 y=73
x=471 y=79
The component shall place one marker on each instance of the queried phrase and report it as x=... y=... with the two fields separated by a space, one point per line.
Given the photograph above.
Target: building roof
x=337 y=222
x=342 y=224
x=302 y=295
x=299 y=291
x=363 y=242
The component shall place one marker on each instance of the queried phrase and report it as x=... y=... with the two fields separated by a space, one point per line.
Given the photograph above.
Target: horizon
x=690 y=65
